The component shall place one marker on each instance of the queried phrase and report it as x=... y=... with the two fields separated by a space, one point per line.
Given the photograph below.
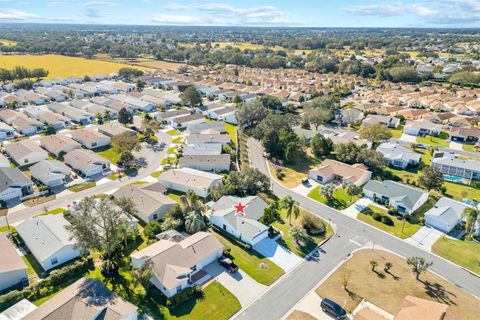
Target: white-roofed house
x=48 y=240
x=51 y=173
x=12 y=268
x=396 y=155
x=244 y=226
x=200 y=182
x=26 y=152
x=446 y=214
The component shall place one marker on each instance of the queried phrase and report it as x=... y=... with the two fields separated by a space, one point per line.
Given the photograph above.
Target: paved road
x=152 y=158
x=351 y=234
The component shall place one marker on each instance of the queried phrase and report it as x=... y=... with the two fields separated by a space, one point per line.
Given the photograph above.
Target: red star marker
x=240 y=208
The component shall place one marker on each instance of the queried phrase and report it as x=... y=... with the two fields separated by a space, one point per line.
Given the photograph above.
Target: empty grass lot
x=309 y=243
x=340 y=201
x=62 y=66
x=249 y=261
x=387 y=290
x=82 y=186
x=397 y=227
x=291 y=177
x=462 y=252
x=232 y=131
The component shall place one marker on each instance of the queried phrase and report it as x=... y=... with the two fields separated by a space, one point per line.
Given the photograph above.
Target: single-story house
x=149 y=199
x=59 y=144
x=200 y=182
x=422 y=128
x=351 y=116
x=406 y=199
x=4 y=162
x=188 y=120
x=244 y=226
x=226 y=114
x=55 y=120
x=85 y=299
x=450 y=165
x=26 y=126
x=12 y=268
x=6 y=132
x=26 y=152
x=335 y=171
x=389 y=121
x=396 y=155
x=51 y=173
x=215 y=127
x=213 y=163
x=168 y=116
x=222 y=139
x=446 y=214
x=115 y=129
x=90 y=139
x=179 y=265
x=48 y=240
x=202 y=149
x=465 y=135
x=14 y=184
x=86 y=162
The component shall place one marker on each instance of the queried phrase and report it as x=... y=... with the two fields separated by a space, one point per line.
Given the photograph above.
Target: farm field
x=62 y=66
x=250 y=46
x=141 y=62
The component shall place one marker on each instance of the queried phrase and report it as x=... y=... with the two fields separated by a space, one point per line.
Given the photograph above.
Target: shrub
x=152 y=228
x=186 y=294
x=376 y=216
x=314 y=226
x=387 y=220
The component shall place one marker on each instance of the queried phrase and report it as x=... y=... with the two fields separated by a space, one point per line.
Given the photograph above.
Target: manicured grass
x=62 y=66
x=441 y=141
x=171 y=150
x=462 y=252
x=460 y=191
x=397 y=227
x=169 y=160
x=387 y=290
x=468 y=147
x=54 y=211
x=232 y=131
x=340 y=201
x=249 y=261
x=218 y=303
x=173 y=132
x=397 y=132
x=82 y=186
x=291 y=177
x=177 y=140
x=175 y=195
x=115 y=176
x=156 y=174
x=110 y=154
x=309 y=243
x=33 y=267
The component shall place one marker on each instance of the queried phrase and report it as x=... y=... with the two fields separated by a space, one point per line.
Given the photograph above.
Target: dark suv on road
x=333 y=309
x=228 y=264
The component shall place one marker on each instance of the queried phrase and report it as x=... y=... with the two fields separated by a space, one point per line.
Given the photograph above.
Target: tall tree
x=419 y=265
x=321 y=146
x=470 y=215
x=250 y=114
x=191 y=96
x=327 y=191
x=353 y=190
x=149 y=126
x=194 y=222
x=432 y=179
x=126 y=142
x=375 y=133
x=297 y=233
x=291 y=206
x=191 y=202
x=125 y=117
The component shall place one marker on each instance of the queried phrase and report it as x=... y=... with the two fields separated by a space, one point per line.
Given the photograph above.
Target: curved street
x=351 y=234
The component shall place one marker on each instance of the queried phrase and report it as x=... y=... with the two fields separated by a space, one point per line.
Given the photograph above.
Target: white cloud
x=100 y=4
x=226 y=14
x=440 y=12
x=179 y=19
x=12 y=14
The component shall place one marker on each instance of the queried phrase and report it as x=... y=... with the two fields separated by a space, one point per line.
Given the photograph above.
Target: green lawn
x=468 y=147
x=340 y=201
x=110 y=154
x=171 y=150
x=249 y=261
x=217 y=303
x=33 y=267
x=169 y=160
x=441 y=141
x=82 y=186
x=232 y=131
x=175 y=195
x=156 y=174
x=310 y=242
x=460 y=191
x=54 y=211
x=173 y=132
x=177 y=140
x=462 y=252
x=395 y=230
x=397 y=132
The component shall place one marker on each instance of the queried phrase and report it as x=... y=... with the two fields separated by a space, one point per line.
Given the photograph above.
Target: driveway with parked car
x=239 y=283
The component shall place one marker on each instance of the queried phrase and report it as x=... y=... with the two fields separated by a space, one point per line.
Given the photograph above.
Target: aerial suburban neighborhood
x=222 y=161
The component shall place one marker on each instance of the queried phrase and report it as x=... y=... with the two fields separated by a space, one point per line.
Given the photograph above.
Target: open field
x=387 y=290
x=7 y=43
x=62 y=66
x=141 y=62
x=251 y=46
x=462 y=252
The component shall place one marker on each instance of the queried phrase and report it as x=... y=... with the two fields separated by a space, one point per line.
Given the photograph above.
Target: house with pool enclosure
x=456 y=169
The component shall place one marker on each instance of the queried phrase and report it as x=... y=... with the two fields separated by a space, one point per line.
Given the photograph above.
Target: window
x=25 y=160
x=155 y=216
x=54 y=261
x=194 y=268
x=224 y=227
x=94 y=144
x=319 y=178
x=179 y=288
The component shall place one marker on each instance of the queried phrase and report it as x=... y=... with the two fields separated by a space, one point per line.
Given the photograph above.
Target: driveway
x=304 y=189
x=357 y=207
x=455 y=145
x=279 y=255
x=239 y=283
x=311 y=305
x=425 y=238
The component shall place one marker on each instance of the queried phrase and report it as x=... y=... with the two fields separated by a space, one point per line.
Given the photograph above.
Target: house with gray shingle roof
x=404 y=198
x=48 y=240
x=12 y=268
x=26 y=152
x=446 y=214
x=14 y=184
x=396 y=155
x=212 y=163
x=451 y=165
x=51 y=173
x=246 y=226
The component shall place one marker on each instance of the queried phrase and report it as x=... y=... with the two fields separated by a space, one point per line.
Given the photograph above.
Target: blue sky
x=317 y=13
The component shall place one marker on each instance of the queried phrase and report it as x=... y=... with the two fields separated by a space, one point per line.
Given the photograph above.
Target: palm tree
x=149 y=126
x=327 y=191
x=291 y=206
x=297 y=233
x=353 y=190
x=194 y=222
x=470 y=215
x=191 y=202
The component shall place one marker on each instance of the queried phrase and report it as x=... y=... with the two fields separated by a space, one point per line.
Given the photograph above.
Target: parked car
x=333 y=309
x=228 y=264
